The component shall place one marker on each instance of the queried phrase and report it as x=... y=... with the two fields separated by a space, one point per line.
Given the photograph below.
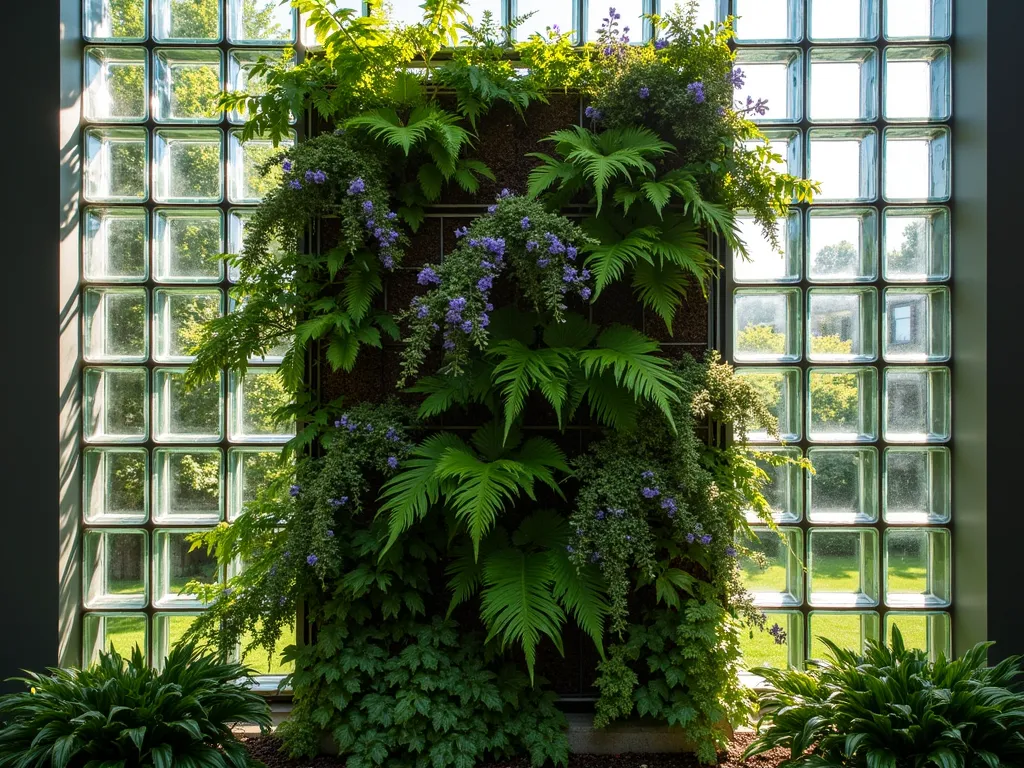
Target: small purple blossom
x=461 y=231
x=599 y=514
x=730 y=551
x=367 y=206
x=569 y=549
x=484 y=321
x=393 y=462
x=448 y=345
x=505 y=192
x=650 y=493
x=593 y=113
x=690 y=538
x=287 y=555
x=619 y=512
x=585 y=293
x=492 y=208
x=644 y=92
x=778 y=633
x=342 y=422
x=295 y=184
x=660 y=44
x=525 y=222
x=485 y=283
x=294 y=490
x=705 y=539
x=312 y=559
x=570 y=253
x=339 y=502
x=357 y=187
x=669 y=505
x=392 y=435
x=466 y=326
x=646 y=474
x=283 y=600
x=697 y=91
x=286 y=165
x=531 y=245
x=330 y=533
x=736 y=78
x=427 y=276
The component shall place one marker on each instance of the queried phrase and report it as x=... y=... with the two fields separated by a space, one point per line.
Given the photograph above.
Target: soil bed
x=266 y=749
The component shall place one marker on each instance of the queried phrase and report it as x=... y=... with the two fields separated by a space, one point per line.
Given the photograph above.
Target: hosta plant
x=891 y=707
x=121 y=713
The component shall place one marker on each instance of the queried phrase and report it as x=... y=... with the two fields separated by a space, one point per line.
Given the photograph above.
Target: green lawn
x=832 y=574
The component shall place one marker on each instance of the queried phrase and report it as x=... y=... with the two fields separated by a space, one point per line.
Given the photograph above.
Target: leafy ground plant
x=122 y=713
x=892 y=707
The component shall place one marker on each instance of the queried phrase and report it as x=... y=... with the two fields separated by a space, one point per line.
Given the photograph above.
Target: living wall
x=542 y=461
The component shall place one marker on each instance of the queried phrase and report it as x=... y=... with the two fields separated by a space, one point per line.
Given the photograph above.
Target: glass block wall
x=847 y=332
x=167 y=187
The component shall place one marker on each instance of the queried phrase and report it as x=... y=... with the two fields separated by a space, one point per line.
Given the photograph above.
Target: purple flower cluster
x=380 y=227
x=316 y=177
x=696 y=90
x=778 y=633
x=286 y=166
x=730 y=551
x=312 y=559
x=660 y=44
x=759 y=107
x=392 y=435
x=571 y=276
x=393 y=462
x=593 y=113
x=428 y=276
x=650 y=492
x=736 y=78
x=644 y=92
x=295 y=184
x=339 y=502
x=294 y=491
x=670 y=506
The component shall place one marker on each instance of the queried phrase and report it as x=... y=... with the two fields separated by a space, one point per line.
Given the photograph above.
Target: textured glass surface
x=915 y=245
x=770 y=567
x=186 y=414
x=916 y=405
x=120 y=21
x=187 y=21
x=186 y=245
x=779 y=645
x=189 y=485
x=249 y=178
x=842 y=245
x=916 y=325
x=843 y=565
x=842 y=489
x=251 y=471
x=843 y=161
x=115 y=407
x=774 y=75
x=847 y=629
x=768 y=21
x=834 y=21
x=116 y=325
x=177 y=565
x=188 y=165
x=767 y=325
x=188 y=83
x=842 y=405
x=780 y=388
x=115 y=246
x=765 y=263
x=115 y=486
x=115 y=85
x=843 y=85
x=253 y=402
x=917 y=84
x=784 y=491
x=841 y=325
x=178 y=320
x=116 y=568
x=260 y=22
x=123 y=631
x=115 y=168
x=916 y=485
x=916 y=167
x=926 y=630
x=917 y=567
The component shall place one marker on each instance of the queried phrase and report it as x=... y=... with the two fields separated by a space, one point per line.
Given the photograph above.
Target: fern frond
x=627 y=355
x=408 y=496
x=520 y=369
x=661 y=288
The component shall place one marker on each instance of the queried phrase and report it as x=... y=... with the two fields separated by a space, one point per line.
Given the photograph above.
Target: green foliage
x=658 y=511
x=893 y=707
x=124 y=713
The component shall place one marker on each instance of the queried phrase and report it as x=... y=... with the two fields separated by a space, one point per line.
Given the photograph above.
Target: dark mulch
x=266 y=749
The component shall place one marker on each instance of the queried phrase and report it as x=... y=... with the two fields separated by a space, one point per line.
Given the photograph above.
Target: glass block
x=916 y=405
x=188 y=487
x=115 y=168
x=115 y=405
x=247 y=181
x=178 y=321
x=251 y=471
x=168 y=630
x=917 y=567
x=187 y=84
x=775 y=75
x=238 y=219
x=187 y=243
x=915 y=245
x=843 y=160
x=842 y=245
x=766 y=324
x=267 y=670
x=186 y=21
x=916 y=486
x=630 y=15
x=115 y=564
x=916 y=325
x=765 y=264
x=842 y=20
x=261 y=22
x=918 y=19
x=842 y=406
x=843 y=567
x=784 y=490
x=843 y=85
x=779 y=645
x=115 y=486
x=847 y=629
x=177 y=564
x=917 y=84
x=842 y=325
x=240 y=64
x=769 y=21
x=183 y=414
x=120 y=631
x=115 y=245
x=925 y=630
x=780 y=389
x=843 y=488
x=547 y=18
x=188 y=165
x=917 y=165
x=122 y=21
x=787 y=145
x=116 y=325
x=115 y=85
x=252 y=402
x=772 y=571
